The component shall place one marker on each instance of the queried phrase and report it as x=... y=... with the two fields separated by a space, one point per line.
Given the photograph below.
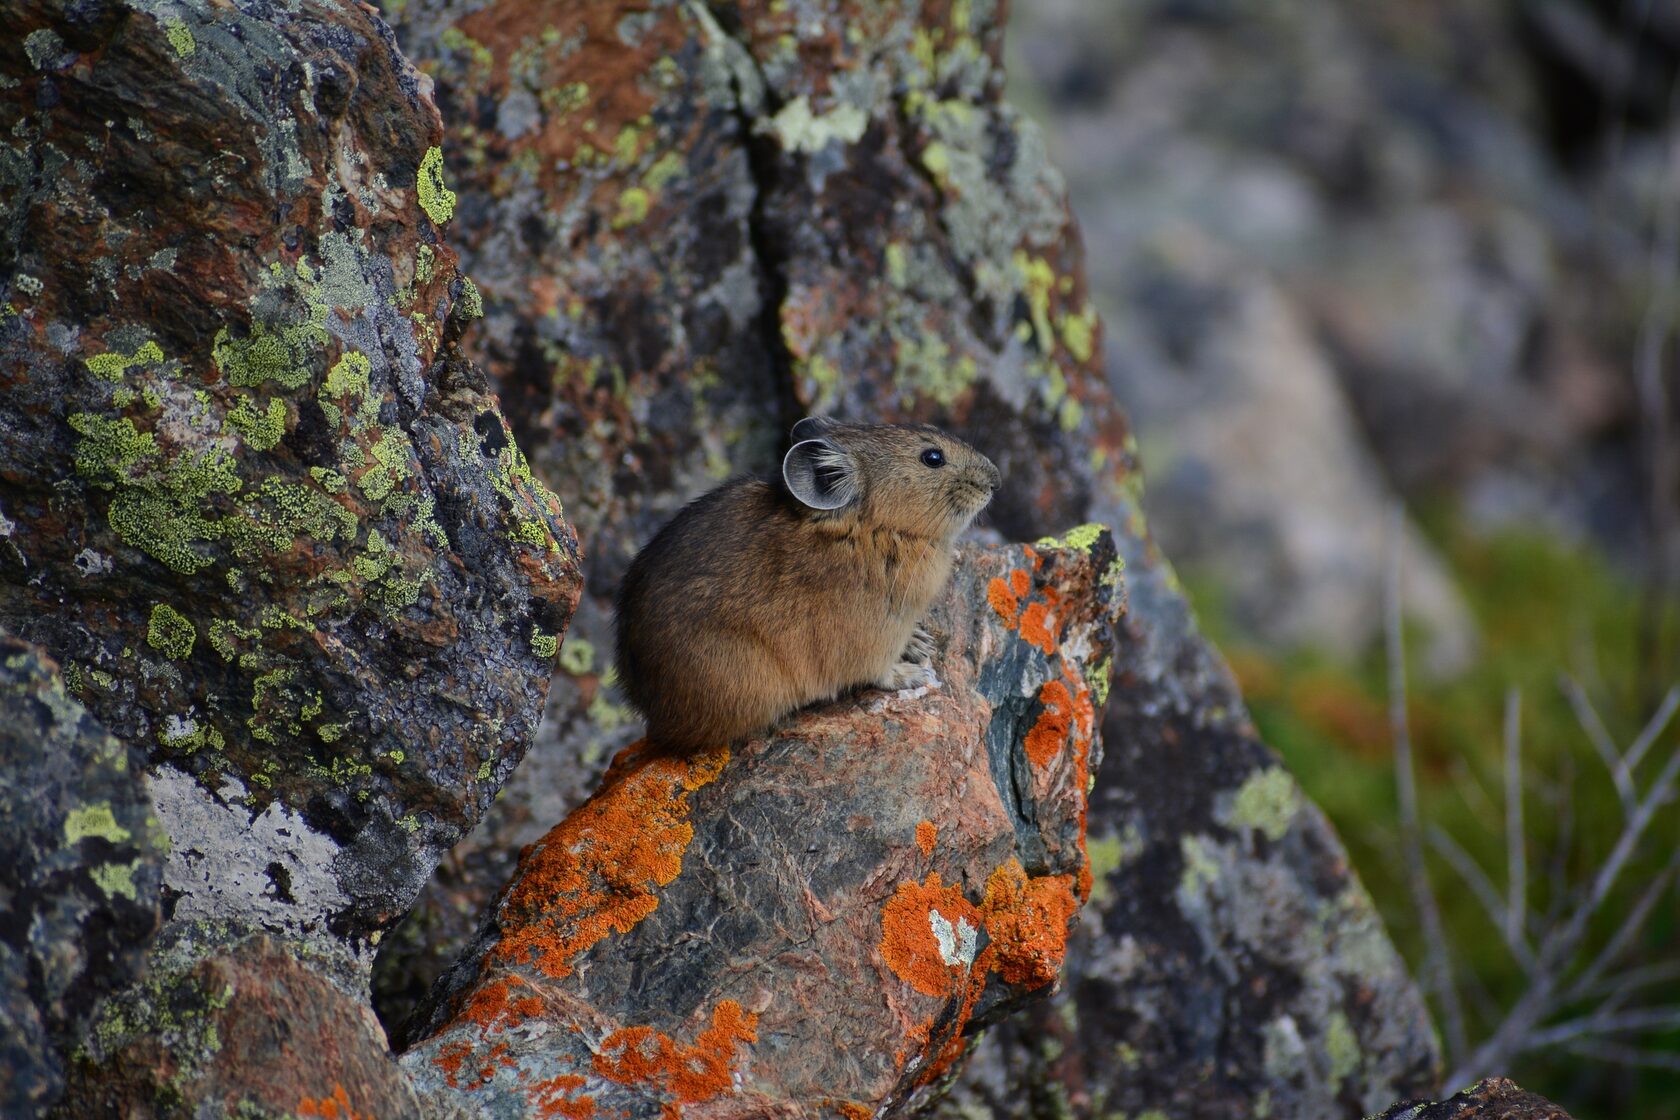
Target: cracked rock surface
x=270 y=524
x=694 y=223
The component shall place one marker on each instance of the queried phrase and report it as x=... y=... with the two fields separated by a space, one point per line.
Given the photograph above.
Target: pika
x=766 y=595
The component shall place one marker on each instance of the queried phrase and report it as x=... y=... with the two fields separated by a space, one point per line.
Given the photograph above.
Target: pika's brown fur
x=764 y=596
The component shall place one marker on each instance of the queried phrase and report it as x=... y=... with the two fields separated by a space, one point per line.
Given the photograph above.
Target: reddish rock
x=815 y=923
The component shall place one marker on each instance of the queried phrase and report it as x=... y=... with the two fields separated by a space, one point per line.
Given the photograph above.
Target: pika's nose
x=993 y=478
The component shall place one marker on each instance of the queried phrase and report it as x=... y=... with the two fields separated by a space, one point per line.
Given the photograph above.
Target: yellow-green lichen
x=666 y=168
x=116 y=879
x=436 y=199
x=264 y=355
x=633 y=207
x=471 y=304
x=180 y=37
x=1039 y=279
x=262 y=430
x=1079 y=333
x=111 y=365
x=170 y=632
x=1266 y=801
x=93 y=820
x=543 y=645
x=1081 y=537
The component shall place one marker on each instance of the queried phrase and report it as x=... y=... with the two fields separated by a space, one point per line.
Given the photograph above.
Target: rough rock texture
x=811 y=925
x=1493 y=1099
x=250 y=1030
x=79 y=887
x=271 y=524
x=696 y=222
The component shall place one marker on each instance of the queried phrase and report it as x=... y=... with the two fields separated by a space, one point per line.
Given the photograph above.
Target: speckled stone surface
x=694 y=223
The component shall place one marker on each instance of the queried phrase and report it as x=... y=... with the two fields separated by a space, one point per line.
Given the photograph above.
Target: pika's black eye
x=933 y=457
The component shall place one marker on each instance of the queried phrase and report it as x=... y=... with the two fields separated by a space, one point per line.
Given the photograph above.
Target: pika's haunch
x=766 y=595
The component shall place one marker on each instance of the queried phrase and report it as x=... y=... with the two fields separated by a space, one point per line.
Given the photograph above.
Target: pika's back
x=763 y=596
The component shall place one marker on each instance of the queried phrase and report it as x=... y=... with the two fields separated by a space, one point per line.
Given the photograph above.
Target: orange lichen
x=1038 y=626
x=553 y=1098
x=1027 y=921
x=689 y=1074
x=1019 y=581
x=927 y=835
x=1003 y=601
x=851 y=1110
x=493 y=1006
x=334 y=1106
x=911 y=924
x=597 y=871
x=1050 y=731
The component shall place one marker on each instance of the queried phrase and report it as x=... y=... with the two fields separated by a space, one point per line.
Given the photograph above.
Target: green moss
x=262 y=430
x=170 y=632
x=94 y=820
x=437 y=200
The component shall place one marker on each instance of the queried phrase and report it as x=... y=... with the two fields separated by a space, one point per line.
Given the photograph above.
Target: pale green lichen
x=436 y=199
x=667 y=167
x=170 y=632
x=44 y=48
x=800 y=130
x=1341 y=1045
x=93 y=820
x=578 y=656
x=1267 y=801
x=543 y=645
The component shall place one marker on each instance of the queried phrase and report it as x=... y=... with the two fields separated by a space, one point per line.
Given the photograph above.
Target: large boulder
x=269 y=521
x=80 y=884
x=696 y=223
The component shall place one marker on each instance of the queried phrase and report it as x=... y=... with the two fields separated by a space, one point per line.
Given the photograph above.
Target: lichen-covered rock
x=1496 y=1098
x=274 y=528
x=705 y=220
x=813 y=924
x=248 y=1031
x=80 y=877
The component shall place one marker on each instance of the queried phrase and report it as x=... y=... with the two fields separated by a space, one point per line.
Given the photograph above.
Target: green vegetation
x=1551 y=618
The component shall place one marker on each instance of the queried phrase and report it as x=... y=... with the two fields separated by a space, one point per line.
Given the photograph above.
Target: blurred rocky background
x=1392 y=286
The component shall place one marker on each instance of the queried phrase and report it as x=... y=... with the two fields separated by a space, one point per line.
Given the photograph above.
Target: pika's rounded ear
x=812 y=427
x=819 y=474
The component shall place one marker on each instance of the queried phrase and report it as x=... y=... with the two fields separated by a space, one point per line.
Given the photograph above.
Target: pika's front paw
x=920 y=647
x=906 y=674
